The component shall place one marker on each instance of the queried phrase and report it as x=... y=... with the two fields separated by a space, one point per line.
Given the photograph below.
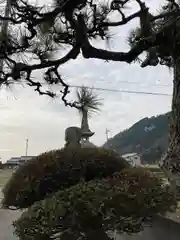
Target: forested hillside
x=148 y=137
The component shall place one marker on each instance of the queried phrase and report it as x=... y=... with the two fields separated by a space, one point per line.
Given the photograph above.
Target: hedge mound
x=58 y=169
x=122 y=202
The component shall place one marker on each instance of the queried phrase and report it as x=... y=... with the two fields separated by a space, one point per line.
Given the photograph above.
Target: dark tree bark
x=171 y=160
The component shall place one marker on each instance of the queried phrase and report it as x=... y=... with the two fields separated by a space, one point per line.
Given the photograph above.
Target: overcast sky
x=24 y=114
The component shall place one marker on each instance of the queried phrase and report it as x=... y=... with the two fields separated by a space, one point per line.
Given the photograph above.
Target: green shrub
x=121 y=202
x=58 y=169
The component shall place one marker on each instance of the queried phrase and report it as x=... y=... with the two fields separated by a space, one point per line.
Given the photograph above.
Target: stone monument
x=75 y=136
x=79 y=137
x=86 y=132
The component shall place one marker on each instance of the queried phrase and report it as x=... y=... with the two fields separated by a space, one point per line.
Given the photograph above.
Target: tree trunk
x=171 y=160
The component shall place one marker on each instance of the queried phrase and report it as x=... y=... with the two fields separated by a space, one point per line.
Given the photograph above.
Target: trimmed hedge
x=122 y=202
x=56 y=170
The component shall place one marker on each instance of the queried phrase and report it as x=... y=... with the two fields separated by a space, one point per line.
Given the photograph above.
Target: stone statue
x=73 y=137
x=79 y=137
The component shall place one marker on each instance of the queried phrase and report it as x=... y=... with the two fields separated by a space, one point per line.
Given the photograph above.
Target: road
x=6 y=229
x=6 y=219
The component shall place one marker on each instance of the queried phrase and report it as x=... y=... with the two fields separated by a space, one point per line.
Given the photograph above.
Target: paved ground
x=6 y=219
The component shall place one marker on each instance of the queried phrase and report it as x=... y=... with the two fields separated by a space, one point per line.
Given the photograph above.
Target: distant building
x=24 y=159
x=133 y=158
x=16 y=161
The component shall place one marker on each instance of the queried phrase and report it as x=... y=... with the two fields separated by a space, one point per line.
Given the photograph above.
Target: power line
x=148 y=85
x=123 y=91
x=120 y=90
x=114 y=90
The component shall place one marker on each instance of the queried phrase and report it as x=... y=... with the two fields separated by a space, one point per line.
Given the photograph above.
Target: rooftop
x=18 y=159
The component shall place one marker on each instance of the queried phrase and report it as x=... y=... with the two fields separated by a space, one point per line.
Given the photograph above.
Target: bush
x=83 y=194
x=57 y=170
x=121 y=202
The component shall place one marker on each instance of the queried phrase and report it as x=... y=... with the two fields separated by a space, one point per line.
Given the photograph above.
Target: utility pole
x=107 y=136
x=4 y=28
x=27 y=141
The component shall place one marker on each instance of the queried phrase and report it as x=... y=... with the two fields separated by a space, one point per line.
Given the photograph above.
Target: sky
x=25 y=114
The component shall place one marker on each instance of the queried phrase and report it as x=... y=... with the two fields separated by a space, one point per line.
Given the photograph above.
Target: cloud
x=5 y=150
x=24 y=114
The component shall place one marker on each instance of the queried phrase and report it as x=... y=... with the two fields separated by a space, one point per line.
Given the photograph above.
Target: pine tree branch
x=122 y=22
x=79 y=31
x=89 y=51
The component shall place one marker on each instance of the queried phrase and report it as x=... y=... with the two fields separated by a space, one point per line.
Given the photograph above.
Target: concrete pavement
x=6 y=219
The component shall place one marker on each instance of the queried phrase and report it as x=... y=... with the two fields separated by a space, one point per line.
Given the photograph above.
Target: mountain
x=148 y=137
